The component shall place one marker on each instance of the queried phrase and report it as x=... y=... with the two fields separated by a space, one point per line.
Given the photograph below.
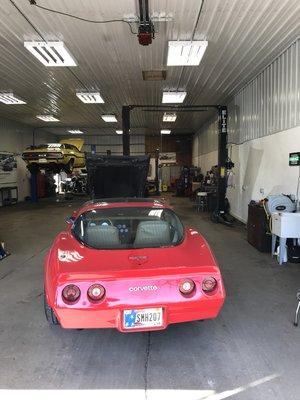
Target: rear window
x=128 y=227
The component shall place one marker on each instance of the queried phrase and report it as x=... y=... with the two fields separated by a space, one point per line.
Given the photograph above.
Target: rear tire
x=49 y=313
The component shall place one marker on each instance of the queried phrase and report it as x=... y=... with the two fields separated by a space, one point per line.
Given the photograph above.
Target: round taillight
x=209 y=284
x=96 y=292
x=187 y=286
x=71 y=293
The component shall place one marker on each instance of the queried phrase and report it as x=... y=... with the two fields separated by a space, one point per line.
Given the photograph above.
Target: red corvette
x=130 y=264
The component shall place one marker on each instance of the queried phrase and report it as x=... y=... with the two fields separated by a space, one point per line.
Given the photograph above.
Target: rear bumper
x=61 y=161
x=76 y=318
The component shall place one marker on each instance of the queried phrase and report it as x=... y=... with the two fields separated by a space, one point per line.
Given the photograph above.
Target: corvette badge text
x=142 y=288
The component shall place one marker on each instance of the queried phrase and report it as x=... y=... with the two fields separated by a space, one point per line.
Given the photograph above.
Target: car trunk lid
x=78 y=143
x=116 y=176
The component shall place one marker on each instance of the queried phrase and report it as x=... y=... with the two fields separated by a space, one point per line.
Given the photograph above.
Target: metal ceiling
x=243 y=37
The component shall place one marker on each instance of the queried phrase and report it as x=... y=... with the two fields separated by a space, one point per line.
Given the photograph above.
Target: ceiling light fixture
x=169 y=117
x=90 y=97
x=10 y=98
x=47 y=118
x=173 y=97
x=165 y=131
x=51 y=54
x=181 y=53
x=109 y=118
x=75 y=131
x=119 y=132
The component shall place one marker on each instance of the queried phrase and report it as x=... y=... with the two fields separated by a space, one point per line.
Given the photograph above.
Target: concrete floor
x=251 y=351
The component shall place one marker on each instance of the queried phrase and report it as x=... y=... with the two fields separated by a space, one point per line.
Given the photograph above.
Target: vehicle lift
x=33 y=176
x=220 y=214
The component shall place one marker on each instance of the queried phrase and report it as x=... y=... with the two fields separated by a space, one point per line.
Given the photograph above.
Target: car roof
x=122 y=202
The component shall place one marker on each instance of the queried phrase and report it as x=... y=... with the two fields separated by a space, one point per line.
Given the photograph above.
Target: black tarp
x=116 y=176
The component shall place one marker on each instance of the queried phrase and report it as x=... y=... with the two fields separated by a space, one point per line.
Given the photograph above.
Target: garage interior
x=175 y=63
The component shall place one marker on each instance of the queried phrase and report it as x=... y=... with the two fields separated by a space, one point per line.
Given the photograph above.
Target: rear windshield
x=128 y=227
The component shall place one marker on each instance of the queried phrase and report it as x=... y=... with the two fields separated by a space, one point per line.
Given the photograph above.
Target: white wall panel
x=15 y=136
x=270 y=103
x=262 y=168
x=263 y=128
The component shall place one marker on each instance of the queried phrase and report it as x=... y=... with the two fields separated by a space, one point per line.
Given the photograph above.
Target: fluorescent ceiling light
x=165 y=131
x=186 y=53
x=109 y=118
x=90 y=97
x=51 y=54
x=75 y=131
x=47 y=118
x=173 y=97
x=169 y=117
x=10 y=98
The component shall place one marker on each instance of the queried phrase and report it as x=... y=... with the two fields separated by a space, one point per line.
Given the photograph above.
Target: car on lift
x=130 y=264
x=63 y=156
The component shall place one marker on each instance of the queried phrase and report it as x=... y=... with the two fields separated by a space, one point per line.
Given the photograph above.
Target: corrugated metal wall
x=208 y=137
x=114 y=143
x=15 y=136
x=269 y=103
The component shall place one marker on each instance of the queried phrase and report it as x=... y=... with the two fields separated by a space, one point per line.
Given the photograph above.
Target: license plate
x=43 y=160
x=145 y=318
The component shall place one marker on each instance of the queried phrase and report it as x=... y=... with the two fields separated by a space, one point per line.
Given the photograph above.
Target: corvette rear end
x=138 y=304
x=146 y=286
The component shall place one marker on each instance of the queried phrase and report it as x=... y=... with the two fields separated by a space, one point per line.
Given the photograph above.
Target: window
x=128 y=227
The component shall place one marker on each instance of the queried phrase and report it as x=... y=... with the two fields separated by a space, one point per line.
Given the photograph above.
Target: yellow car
x=65 y=155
